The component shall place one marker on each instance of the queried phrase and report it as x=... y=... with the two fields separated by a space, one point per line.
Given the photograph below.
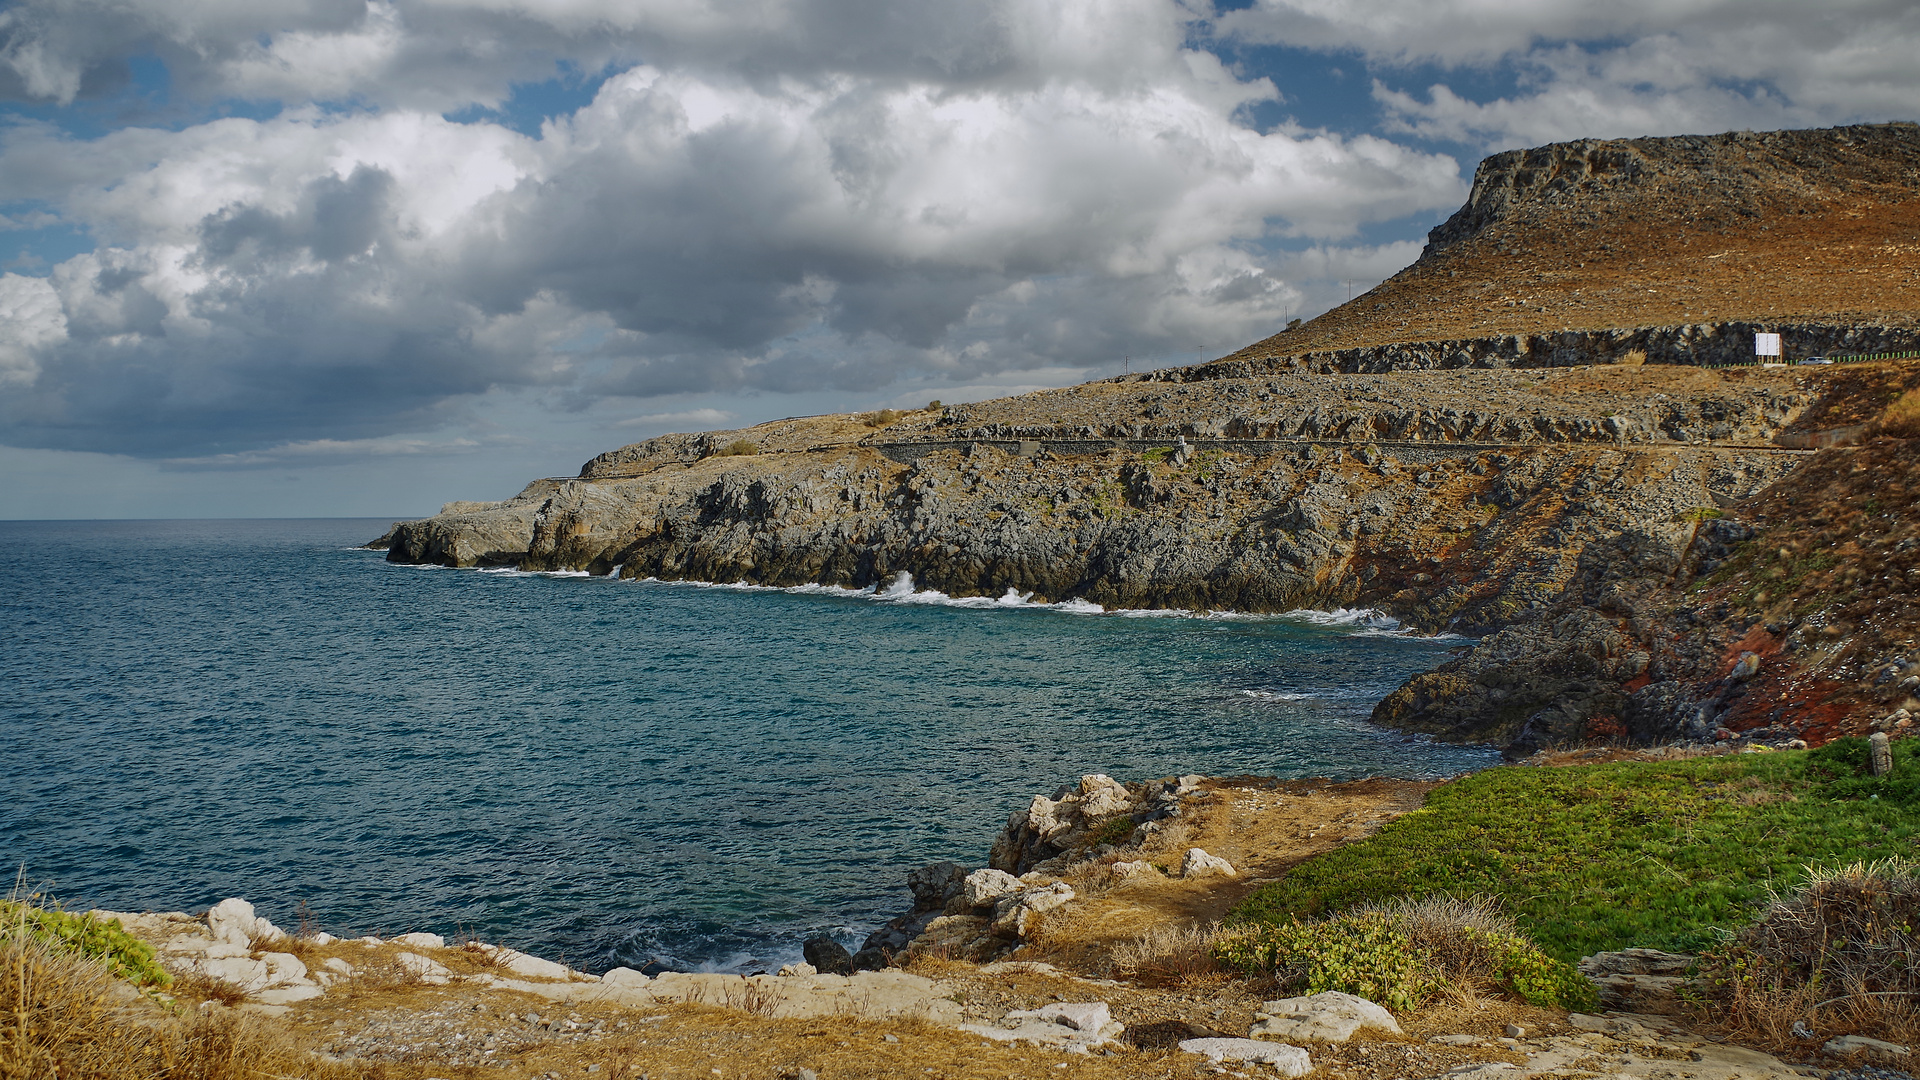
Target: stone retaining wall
x=1692 y=344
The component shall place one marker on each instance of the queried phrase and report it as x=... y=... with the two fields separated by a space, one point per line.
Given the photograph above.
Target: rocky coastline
x=959 y=965
x=1548 y=434
x=1569 y=556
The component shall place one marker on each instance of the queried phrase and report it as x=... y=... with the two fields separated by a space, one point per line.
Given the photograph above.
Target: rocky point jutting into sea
x=1527 y=435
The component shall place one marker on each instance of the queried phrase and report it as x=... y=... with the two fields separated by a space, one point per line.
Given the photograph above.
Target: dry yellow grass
x=1261 y=828
x=65 y=1016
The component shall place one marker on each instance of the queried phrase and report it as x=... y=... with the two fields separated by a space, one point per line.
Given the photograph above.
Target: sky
x=289 y=258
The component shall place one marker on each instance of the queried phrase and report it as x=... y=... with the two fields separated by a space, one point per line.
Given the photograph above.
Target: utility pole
x=1129 y=364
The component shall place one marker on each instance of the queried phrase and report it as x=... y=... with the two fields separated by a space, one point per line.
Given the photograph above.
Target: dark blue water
x=606 y=771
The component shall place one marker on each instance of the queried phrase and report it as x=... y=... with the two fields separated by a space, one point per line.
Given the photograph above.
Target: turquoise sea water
x=589 y=769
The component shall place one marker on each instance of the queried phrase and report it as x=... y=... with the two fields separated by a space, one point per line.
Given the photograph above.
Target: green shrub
x=1115 y=832
x=1700 y=513
x=1363 y=954
x=1523 y=970
x=1842 y=770
x=1400 y=954
x=99 y=939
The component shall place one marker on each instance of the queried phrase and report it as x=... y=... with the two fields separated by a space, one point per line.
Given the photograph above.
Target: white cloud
x=31 y=319
x=699 y=419
x=1623 y=68
x=955 y=196
x=324 y=452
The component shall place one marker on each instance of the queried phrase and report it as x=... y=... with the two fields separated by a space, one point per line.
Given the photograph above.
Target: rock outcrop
x=984 y=913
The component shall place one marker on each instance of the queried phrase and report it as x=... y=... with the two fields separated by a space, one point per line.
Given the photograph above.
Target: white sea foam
x=1398 y=631
x=1365 y=622
x=901 y=591
x=1278 y=695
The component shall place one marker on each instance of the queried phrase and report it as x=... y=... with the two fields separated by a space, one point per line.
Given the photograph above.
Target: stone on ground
x=1286 y=1060
x=1328 y=1017
x=983 y=887
x=828 y=955
x=1200 y=864
x=232 y=921
x=1847 y=1045
x=1076 y=1027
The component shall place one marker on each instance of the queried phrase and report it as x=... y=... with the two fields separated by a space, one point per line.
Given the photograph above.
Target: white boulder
x=1076 y=1027
x=1854 y=1044
x=1200 y=864
x=244 y=972
x=287 y=995
x=983 y=887
x=1018 y=913
x=429 y=971
x=531 y=967
x=1078 y=1015
x=232 y=920
x=1327 y=1017
x=1101 y=796
x=283 y=968
x=1286 y=1060
x=421 y=941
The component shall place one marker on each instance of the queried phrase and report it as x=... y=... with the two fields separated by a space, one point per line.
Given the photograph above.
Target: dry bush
x=482 y=954
x=754 y=998
x=1841 y=954
x=881 y=418
x=1454 y=936
x=1902 y=418
x=64 y=1015
x=206 y=988
x=1158 y=846
x=1169 y=955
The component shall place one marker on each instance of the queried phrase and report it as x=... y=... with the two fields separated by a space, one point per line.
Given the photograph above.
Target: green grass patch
x=1597 y=857
x=104 y=940
x=1155 y=455
x=1700 y=513
x=1115 y=832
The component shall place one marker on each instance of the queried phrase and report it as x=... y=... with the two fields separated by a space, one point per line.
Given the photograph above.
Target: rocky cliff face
x=1794 y=617
x=1446 y=506
x=1572 y=492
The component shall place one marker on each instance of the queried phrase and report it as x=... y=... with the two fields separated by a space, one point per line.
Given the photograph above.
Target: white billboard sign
x=1766 y=344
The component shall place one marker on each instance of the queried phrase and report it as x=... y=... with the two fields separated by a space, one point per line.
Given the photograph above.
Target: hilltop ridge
x=1818 y=227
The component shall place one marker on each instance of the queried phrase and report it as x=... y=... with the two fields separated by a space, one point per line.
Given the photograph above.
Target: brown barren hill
x=1774 y=227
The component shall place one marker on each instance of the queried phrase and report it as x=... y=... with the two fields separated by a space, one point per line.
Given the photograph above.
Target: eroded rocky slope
x=1447 y=508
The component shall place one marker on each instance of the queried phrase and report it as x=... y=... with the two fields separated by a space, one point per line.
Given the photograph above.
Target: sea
x=605 y=772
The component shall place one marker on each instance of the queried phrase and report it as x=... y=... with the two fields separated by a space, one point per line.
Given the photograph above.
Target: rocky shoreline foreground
x=1075 y=949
